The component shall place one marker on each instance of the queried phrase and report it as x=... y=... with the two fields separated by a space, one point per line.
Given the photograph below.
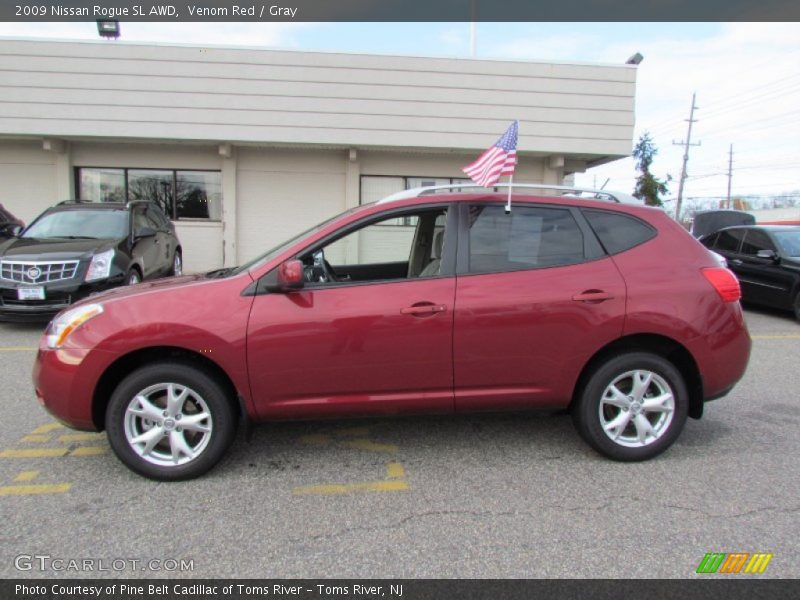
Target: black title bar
x=401 y=10
x=731 y=588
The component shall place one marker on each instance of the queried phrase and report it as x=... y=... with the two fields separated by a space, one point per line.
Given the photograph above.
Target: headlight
x=65 y=323
x=101 y=266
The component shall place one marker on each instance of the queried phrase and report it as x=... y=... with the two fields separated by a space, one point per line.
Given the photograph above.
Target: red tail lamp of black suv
x=423 y=303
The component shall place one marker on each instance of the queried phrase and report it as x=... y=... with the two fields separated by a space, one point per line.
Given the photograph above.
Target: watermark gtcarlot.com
x=48 y=563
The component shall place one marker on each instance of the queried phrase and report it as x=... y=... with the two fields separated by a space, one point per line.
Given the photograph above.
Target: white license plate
x=30 y=293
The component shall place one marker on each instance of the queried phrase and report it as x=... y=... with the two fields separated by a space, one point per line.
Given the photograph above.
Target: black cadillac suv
x=77 y=248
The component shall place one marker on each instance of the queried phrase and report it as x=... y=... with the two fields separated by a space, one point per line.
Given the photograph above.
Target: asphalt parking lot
x=473 y=496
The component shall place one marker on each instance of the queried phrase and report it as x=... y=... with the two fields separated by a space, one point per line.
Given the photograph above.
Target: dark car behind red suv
x=75 y=249
x=425 y=304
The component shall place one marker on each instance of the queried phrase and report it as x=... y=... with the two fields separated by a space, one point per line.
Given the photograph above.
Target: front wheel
x=797 y=306
x=170 y=421
x=633 y=407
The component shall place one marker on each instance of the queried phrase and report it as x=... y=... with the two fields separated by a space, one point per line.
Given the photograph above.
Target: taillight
x=724 y=282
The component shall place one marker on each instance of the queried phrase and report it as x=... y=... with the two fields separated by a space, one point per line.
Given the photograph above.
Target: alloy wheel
x=168 y=424
x=637 y=408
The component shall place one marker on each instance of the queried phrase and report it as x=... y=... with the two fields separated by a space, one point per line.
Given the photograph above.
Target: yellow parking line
x=41 y=488
x=371 y=446
x=775 y=337
x=88 y=451
x=395 y=470
x=47 y=428
x=36 y=438
x=81 y=437
x=348 y=488
x=17 y=348
x=27 y=476
x=34 y=453
x=52 y=452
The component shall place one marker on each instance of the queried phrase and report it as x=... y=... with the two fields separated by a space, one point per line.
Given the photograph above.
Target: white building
x=245 y=147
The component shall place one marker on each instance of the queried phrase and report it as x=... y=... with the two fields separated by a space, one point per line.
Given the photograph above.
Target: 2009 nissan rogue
x=422 y=303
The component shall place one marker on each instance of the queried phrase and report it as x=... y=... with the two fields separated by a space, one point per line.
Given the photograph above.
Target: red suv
x=423 y=303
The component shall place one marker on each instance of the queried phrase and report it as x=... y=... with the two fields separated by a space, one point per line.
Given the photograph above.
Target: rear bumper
x=722 y=354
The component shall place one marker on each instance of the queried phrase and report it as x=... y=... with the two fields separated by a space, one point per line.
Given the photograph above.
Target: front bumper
x=58 y=296
x=64 y=381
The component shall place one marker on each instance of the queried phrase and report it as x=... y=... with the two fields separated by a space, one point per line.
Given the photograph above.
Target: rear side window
x=729 y=240
x=618 y=232
x=528 y=238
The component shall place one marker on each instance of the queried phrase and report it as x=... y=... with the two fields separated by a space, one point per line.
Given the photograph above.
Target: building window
x=180 y=194
x=155 y=186
x=101 y=185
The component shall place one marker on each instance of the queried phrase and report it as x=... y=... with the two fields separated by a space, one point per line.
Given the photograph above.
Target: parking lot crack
x=746 y=513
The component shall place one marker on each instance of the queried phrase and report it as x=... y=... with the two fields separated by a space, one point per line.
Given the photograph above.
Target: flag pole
x=510 y=185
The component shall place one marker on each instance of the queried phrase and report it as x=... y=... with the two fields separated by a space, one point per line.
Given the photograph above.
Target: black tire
x=133 y=277
x=202 y=389
x=797 y=307
x=177 y=261
x=597 y=395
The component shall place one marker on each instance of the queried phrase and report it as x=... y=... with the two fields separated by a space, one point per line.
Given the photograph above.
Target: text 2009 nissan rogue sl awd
x=421 y=303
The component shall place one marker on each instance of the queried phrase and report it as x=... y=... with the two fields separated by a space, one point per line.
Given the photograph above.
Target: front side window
x=527 y=238
x=382 y=250
x=756 y=240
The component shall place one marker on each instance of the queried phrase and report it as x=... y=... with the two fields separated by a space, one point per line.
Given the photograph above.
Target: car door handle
x=422 y=309
x=593 y=296
x=735 y=261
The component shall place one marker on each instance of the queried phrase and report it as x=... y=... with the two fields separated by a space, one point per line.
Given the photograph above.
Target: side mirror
x=768 y=255
x=288 y=276
x=15 y=230
x=144 y=232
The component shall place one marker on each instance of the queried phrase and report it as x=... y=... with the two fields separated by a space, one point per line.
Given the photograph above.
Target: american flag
x=498 y=160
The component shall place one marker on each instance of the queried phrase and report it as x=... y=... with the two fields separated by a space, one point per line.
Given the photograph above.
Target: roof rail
x=619 y=197
x=130 y=203
x=77 y=201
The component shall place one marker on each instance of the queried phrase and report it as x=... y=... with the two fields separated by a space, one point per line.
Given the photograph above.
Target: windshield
x=264 y=258
x=80 y=224
x=788 y=241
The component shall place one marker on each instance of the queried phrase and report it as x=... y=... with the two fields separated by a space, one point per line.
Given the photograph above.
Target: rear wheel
x=633 y=407
x=177 y=264
x=133 y=277
x=170 y=421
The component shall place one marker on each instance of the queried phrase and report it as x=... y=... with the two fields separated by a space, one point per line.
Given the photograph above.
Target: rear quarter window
x=618 y=232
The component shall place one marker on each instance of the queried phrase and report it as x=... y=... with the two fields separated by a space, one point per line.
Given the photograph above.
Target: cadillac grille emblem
x=34 y=273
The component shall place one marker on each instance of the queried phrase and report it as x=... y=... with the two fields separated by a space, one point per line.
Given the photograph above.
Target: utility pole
x=730 y=173
x=685 y=144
